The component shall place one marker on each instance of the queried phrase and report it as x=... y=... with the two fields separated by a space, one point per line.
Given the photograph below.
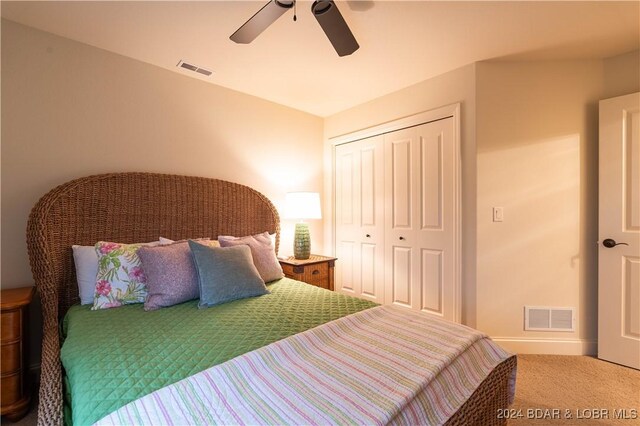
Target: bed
x=132 y=207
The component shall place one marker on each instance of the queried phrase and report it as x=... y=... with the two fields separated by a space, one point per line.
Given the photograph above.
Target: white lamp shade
x=303 y=205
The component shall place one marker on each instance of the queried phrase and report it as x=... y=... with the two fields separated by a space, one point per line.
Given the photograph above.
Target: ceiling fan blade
x=335 y=27
x=259 y=22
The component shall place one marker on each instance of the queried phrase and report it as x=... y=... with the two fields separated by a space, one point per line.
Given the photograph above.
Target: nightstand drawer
x=306 y=273
x=10 y=358
x=316 y=272
x=11 y=388
x=11 y=325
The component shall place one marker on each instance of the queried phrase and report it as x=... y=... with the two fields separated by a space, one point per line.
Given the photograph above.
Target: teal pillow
x=225 y=274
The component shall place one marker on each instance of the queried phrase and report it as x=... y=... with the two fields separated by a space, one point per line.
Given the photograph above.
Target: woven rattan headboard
x=127 y=208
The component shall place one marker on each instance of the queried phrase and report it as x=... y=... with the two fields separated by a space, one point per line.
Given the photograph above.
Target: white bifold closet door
x=360 y=218
x=395 y=218
x=420 y=218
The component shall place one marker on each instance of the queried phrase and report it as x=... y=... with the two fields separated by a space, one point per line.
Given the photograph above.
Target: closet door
x=420 y=218
x=359 y=218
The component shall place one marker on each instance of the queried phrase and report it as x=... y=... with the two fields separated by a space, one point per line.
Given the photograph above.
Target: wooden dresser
x=317 y=270
x=14 y=402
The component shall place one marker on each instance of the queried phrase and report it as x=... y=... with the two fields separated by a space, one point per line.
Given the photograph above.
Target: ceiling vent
x=194 y=68
x=548 y=318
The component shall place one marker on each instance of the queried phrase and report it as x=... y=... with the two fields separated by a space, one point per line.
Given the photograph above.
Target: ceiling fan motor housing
x=284 y=3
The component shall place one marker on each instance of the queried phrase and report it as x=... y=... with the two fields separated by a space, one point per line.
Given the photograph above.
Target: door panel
x=359 y=223
x=368 y=269
x=420 y=188
x=631 y=298
x=431 y=180
x=619 y=220
x=347 y=190
x=368 y=186
x=401 y=182
x=431 y=281
x=346 y=212
x=399 y=152
x=436 y=207
x=345 y=279
x=631 y=152
x=401 y=276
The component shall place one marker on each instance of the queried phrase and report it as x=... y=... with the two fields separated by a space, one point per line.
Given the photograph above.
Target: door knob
x=368 y=236
x=402 y=238
x=609 y=243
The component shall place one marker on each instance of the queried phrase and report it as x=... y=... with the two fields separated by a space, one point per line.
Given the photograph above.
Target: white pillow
x=272 y=236
x=211 y=243
x=86 y=261
x=165 y=241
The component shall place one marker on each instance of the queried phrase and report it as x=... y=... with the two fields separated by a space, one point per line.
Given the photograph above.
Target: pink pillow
x=262 y=251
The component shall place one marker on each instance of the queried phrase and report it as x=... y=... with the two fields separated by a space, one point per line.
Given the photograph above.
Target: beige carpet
x=582 y=385
x=555 y=382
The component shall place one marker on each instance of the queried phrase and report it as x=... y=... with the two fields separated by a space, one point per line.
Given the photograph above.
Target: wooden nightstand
x=14 y=402
x=317 y=270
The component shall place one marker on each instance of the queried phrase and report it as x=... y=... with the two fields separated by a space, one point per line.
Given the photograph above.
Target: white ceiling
x=293 y=63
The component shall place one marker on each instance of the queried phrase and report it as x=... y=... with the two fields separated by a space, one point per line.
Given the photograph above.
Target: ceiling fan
x=325 y=11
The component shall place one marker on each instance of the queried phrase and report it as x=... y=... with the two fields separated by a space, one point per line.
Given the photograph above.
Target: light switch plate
x=498 y=214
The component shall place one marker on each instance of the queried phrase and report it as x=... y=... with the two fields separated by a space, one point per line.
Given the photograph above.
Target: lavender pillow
x=171 y=275
x=262 y=251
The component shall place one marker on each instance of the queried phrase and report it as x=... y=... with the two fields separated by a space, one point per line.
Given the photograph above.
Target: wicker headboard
x=127 y=208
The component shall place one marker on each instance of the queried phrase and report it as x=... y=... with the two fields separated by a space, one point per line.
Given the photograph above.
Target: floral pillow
x=120 y=280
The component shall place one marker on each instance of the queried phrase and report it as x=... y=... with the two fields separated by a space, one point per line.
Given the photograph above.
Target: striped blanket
x=385 y=365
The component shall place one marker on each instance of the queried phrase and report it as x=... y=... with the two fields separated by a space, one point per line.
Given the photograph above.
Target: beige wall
x=537 y=145
x=452 y=87
x=621 y=75
x=70 y=110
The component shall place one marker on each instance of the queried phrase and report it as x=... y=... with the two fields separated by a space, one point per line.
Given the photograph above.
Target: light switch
x=498 y=214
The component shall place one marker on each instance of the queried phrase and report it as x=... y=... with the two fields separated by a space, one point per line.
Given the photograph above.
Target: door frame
x=447 y=111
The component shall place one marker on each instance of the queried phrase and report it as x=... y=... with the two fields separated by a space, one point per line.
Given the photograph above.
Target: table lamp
x=302 y=205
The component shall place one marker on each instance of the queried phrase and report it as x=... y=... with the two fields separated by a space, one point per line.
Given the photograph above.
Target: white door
x=619 y=231
x=420 y=218
x=359 y=218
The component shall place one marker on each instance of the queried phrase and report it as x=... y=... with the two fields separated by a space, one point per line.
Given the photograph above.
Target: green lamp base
x=302 y=242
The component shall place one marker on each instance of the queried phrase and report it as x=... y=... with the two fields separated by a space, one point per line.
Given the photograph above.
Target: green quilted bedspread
x=112 y=357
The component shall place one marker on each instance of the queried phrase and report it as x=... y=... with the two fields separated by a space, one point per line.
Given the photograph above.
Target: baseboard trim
x=548 y=346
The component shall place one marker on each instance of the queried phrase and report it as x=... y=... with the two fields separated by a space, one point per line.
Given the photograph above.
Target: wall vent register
x=548 y=318
x=194 y=68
